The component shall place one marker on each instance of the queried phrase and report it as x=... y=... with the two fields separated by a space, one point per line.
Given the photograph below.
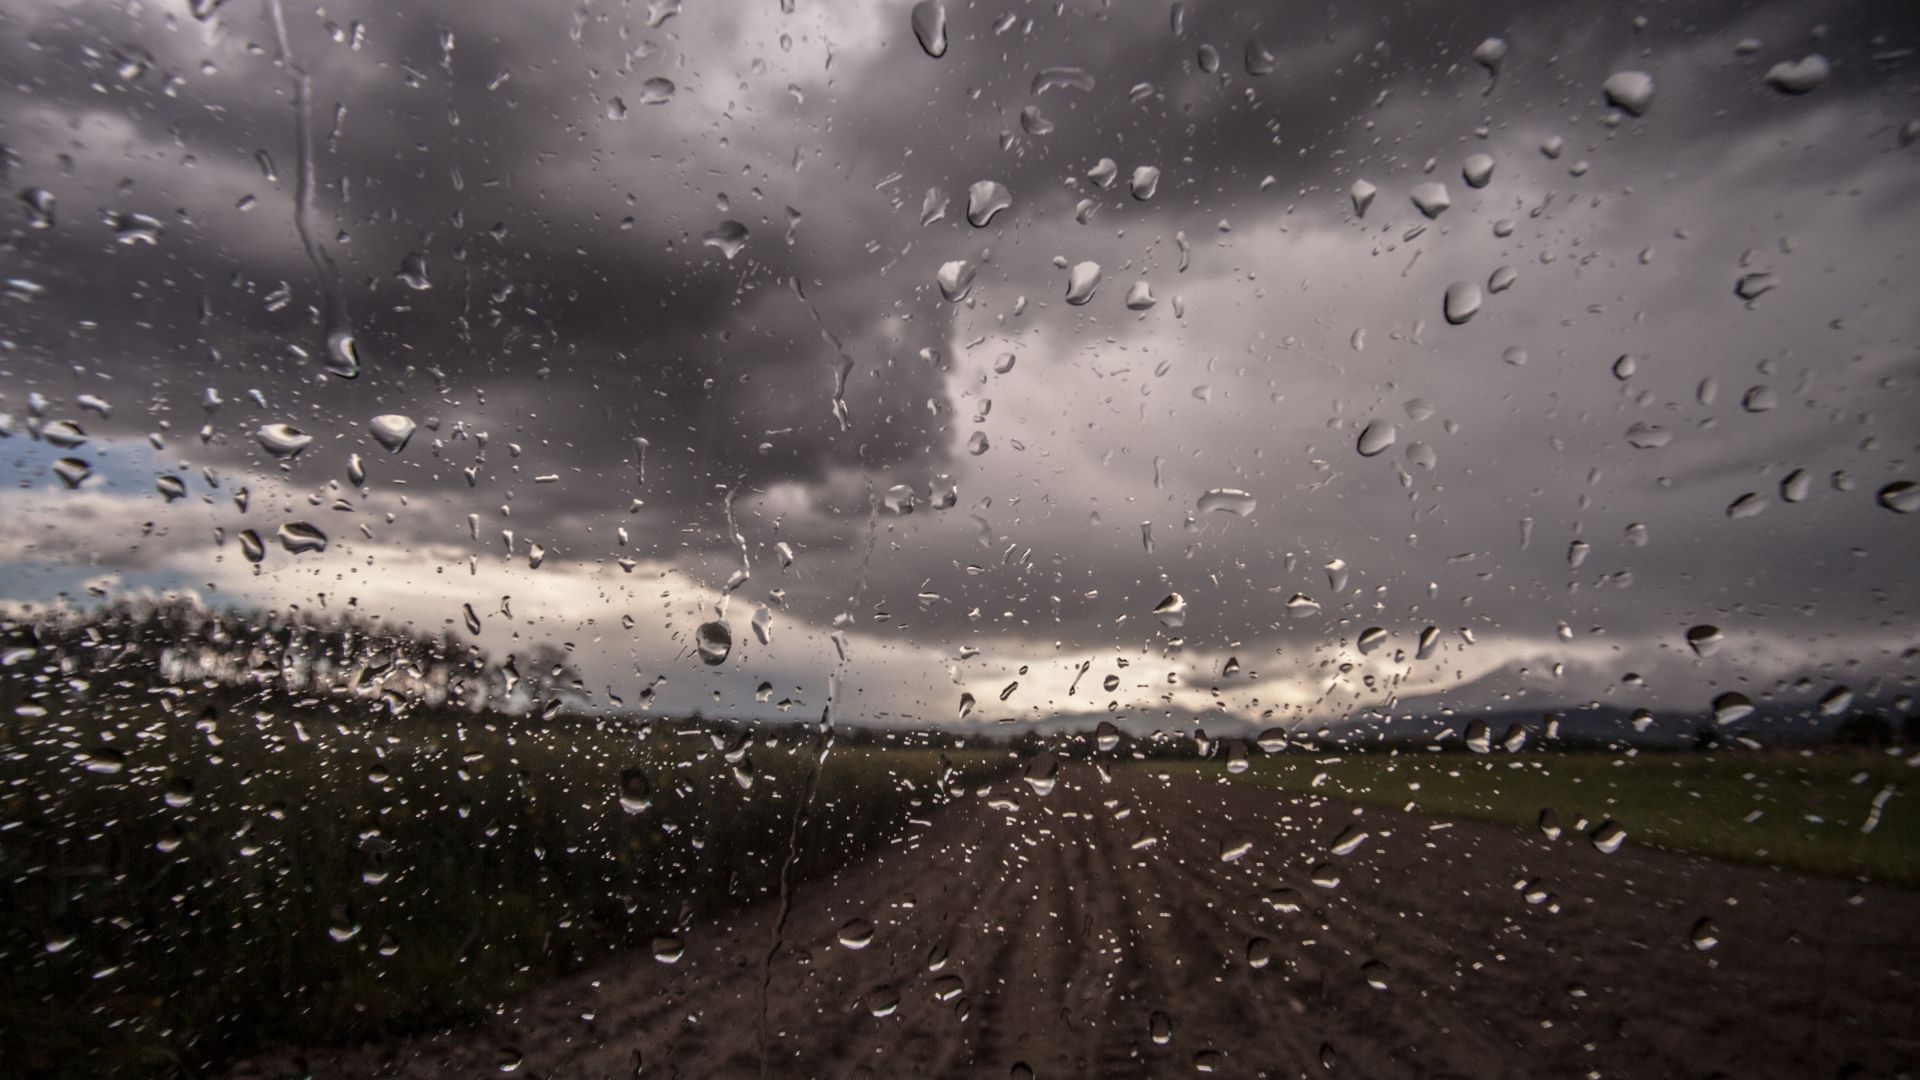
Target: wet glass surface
x=786 y=539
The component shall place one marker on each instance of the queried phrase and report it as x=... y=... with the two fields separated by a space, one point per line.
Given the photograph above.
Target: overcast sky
x=530 y=165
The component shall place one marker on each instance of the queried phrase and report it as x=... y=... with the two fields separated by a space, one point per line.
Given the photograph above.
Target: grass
x=1799 y=810
x=189 y=907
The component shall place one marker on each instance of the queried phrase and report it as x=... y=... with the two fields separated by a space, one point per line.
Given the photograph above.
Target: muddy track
x=1062 y=938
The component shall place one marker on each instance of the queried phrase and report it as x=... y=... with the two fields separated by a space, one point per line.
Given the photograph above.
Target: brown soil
x=1062 y=938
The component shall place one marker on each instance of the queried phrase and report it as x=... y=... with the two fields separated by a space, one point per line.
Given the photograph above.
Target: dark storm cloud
x=574 y=309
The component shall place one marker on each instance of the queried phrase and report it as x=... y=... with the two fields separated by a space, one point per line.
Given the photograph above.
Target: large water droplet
x=656 y=91
x=1172 y=612
x=1431 y=198
x=413 y=271
x=1082 y=281
x=1376 y=437
x=1144 y=182
x=985 y=199
x=1462 y=301
x=392 y=430
x=1705 y=639
x=1629 y=90
x=930 y=27
x=283 y=440
x=636 y=793
x=1362 y=194
x=1799 y=76
x=1731 y=706
x=299 y=537
x=343 y=354
x=955 y=279
x=1477 y=170
x=1226 y=501
x=714 y=641
x=1901 y=497
x=729 y=237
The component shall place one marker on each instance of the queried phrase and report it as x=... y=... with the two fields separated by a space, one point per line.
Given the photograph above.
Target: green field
x=1798 y=810
x=235 y=872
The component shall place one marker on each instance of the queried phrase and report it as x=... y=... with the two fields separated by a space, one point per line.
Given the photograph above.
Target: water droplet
x=1796 y=486
x=1370 y=639
x=509 y=1058
x=1629 y=90
x=985 y=199
x=1362 y=194
x=1431 y=198
x=1645 y=436
x=1705 y=639
x=1042 y=773
x=1172 y=612
x=1703 y=935
x=1259 y=60
x=413 y=271
x=1477 y=170
x=1140 y=296
x=1799 y=76
x=1837 y=701
x=933 y=206
x=1376 y=974
x=656 y=91
x=1549 y=823
x=1731 y=707
x=1462 y=301
x=714 y=640
x=62 y=434
x=343 y=354
x=1901 y=497
x=930 y=27
x=1104 y=172
x=252 y=546
x=1752 y=286
x=1749 y=505
x=471 y=617
x=1226 y=501
x=1160 y=1028
x=668 y=949
x=1608 y=837
x=1502 y=279
x=729 y=237
x=1061 y=78
x=977 y=443
x=1376 y=437
x=40 y=206
x=955 y=279
x=299 y=537
x=1082 y=281
x=636 y=793
x=392 y=430
x=1515 y=355
x=1144 y=182
x=857 y=934
x=133 y=229
x=283 y=441
x=1490 y=54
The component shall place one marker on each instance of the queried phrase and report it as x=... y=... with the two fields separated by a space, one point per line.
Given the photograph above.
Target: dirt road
x=1445 y=949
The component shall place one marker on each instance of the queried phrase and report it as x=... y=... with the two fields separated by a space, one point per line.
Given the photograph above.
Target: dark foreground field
x=1103 y=930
